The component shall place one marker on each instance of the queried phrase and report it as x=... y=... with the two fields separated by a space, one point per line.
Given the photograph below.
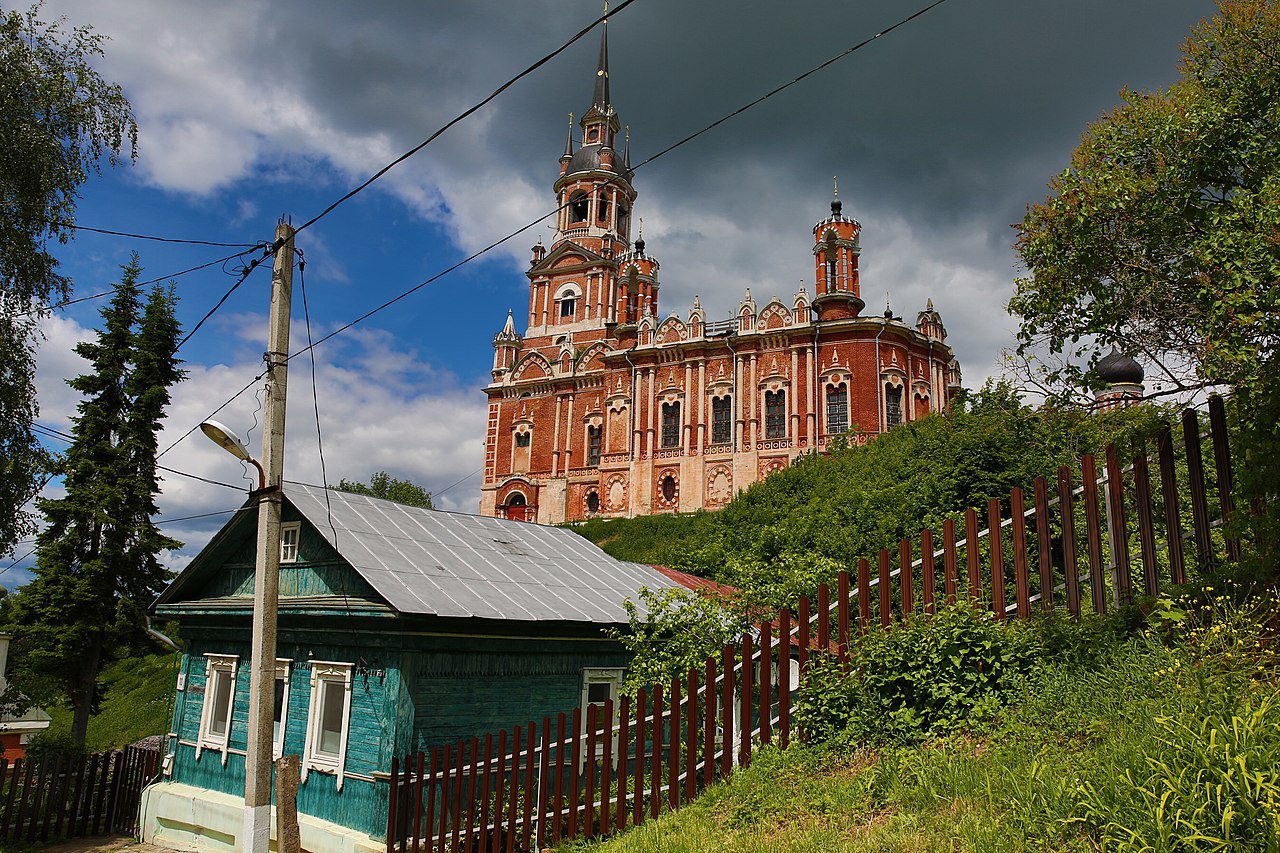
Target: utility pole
x=256 y=833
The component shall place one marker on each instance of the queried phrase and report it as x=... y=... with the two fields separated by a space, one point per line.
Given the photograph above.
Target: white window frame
x=611 y=676
x=283 y=671
x=289 y=544
x=216 y=666
x=323 y=673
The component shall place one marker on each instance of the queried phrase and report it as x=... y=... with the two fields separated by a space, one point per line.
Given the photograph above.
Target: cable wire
x=73 y=226
x=464 y=114
x=156 y=280
x=269 y=252
x=617 y=178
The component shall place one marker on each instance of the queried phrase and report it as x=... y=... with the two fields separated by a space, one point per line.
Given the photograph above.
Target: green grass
x=139 y=692
x=1151 y=746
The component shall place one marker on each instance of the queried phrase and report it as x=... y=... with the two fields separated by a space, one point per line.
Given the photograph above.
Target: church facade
x=601 y=408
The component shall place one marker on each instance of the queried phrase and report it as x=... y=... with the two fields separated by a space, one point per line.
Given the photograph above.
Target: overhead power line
x=464 y=114
x=739 y=111
x=73 y=226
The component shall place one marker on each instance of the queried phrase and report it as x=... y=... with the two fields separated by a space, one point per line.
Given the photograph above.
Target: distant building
x=602 y=408
x=16 y=731
x=1123 y=377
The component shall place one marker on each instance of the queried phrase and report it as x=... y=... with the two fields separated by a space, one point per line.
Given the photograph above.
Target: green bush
x=53 y=743
x=925 y=677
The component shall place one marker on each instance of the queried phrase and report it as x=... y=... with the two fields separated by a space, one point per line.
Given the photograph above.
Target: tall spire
x=568 y=143
x=601 y=97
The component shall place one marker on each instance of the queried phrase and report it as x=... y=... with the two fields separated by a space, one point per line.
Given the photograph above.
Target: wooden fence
x=55 y=798
x=1068 y=544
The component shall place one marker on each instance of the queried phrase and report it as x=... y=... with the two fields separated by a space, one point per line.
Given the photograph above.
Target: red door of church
x=516 y=508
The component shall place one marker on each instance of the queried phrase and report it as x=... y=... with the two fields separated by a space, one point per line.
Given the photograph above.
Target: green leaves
x=383 y=485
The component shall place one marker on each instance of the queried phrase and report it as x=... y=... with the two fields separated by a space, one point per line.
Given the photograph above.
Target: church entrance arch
x=517 y=508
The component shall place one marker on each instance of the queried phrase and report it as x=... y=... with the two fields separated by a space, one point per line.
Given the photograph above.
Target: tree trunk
x=83 y=690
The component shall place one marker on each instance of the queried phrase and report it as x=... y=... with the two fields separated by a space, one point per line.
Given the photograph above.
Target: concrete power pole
x=256 y=833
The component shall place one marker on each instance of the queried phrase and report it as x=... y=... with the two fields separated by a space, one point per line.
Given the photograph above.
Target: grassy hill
x=1164 y=741
x=138 y=702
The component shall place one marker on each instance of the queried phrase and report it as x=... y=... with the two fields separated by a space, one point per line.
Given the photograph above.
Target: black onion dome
x=1115 y=368
x=587 y=159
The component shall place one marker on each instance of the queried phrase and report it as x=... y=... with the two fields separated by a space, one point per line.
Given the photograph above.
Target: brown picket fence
x=1068 y=544
x=74 y=797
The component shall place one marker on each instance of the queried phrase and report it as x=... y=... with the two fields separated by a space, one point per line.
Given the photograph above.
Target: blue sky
x=941 y=133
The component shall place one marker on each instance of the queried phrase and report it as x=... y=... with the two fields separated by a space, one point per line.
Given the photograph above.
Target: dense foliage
x=58 y=118
x=783 y=536
x=383 y=485
x=97 y=559
x=1167 y=740
x=1162 y=238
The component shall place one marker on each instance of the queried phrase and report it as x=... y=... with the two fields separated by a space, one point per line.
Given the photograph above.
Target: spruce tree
x=97 y=566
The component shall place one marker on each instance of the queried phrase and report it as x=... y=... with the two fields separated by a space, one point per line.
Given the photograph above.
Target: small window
x=721 y=420
x=671 y=424
x=598 y=686
x=522 y=439
x=775 y=414
x=568 y=306
x=837 y=409
x=593 y=501
x=594 y=434
x=219 y=703
x=602 y=207
x=328 y=720
x=669 y=489
x=892 y=406
x=289 y=535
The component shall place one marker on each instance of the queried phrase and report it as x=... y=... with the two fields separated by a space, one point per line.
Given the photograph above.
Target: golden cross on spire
x=835 y=186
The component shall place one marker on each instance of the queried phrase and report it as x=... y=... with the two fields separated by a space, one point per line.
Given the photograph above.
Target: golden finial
x=835 y=186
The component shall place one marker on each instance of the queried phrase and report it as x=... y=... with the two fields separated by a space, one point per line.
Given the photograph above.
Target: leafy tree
x=58 y=118
x=383 y=485
x=1162 y=236
x=675 y=632
x=97 y=563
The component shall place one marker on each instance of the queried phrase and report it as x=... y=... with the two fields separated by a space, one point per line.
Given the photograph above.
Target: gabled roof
x=434 y=563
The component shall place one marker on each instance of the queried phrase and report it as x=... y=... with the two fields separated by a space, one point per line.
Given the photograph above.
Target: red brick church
x=603 y=408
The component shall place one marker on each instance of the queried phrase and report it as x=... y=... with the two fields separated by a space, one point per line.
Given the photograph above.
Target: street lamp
x=222 y=436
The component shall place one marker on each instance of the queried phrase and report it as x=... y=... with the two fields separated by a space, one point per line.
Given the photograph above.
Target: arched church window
x=892 y=406
x=721 y=420
x=624 y=219
x=593 y=446
x=775 y=414
x=593 y=501
x=671 y=424
x=668 y=488
x=579 y=206
x=837 y=409
x=522 y=439
x=602 y=207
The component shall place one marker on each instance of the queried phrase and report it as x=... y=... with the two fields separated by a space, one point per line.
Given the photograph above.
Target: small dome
x=587 y=159
x=1116 y=368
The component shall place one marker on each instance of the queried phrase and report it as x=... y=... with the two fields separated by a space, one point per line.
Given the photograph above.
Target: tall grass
x=1167 y=741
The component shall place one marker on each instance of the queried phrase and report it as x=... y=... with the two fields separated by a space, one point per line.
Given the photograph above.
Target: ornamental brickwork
x=602 y=409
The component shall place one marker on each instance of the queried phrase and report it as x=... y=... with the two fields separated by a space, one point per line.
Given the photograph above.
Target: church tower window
x=837 y=409
x=671 y=424
x=775 y=414
x=567 y=307
x=892 y=406
x=721 y=420
x=602 y=207
x=579 y=204
x=523 y=439
x=593 y=445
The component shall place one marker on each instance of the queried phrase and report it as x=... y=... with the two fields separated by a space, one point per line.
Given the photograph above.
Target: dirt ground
x=105 y=844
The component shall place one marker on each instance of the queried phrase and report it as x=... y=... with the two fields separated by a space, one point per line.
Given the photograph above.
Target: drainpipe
x=814 y=403
x=879 y=381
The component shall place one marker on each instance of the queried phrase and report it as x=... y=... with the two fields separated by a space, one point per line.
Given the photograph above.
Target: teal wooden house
x=400 y=629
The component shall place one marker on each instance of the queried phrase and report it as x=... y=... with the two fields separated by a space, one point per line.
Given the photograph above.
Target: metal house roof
x=449 y=564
